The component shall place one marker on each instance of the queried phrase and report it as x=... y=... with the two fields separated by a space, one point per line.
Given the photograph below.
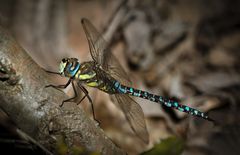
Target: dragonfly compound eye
x=64 y=60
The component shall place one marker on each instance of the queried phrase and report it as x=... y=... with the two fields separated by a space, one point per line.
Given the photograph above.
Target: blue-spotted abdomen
x=159 y=99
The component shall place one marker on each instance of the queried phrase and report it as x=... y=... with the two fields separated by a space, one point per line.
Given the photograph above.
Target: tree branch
x=35 y=109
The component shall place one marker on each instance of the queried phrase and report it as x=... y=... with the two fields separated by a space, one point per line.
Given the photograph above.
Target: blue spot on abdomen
x=116 y=84
x=122 y=89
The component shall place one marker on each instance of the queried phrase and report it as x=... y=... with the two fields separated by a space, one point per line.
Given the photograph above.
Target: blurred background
x=187 y=49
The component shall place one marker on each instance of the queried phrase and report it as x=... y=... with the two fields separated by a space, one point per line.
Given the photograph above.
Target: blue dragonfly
x=106 y=74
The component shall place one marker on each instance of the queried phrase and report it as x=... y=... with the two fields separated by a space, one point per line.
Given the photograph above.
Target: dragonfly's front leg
x=60 y=86
x=72 y=98
x=51 y=72
x=90 y=100
x=57 y=86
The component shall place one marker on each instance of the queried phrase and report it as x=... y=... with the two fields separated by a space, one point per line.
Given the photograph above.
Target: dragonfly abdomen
x=159 y=99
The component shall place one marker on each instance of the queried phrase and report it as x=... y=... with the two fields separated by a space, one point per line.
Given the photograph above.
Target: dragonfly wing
x=134 y=115
x=117 y=71
x=97 y=44
x=102 y=55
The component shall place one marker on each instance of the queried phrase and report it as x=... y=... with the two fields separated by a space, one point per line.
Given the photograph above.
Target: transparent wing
x=117 y=71
x=134 y=115
x=102 y=55
x=97 y=44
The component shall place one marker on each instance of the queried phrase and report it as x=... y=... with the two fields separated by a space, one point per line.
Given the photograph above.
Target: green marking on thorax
x=86 y=76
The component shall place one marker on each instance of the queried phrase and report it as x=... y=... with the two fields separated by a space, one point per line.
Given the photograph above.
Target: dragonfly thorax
x=68 y=67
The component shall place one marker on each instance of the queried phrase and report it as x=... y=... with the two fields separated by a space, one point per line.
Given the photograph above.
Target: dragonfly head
x=69 y=67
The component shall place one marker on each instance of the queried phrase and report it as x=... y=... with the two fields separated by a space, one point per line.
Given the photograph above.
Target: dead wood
x=35 y=109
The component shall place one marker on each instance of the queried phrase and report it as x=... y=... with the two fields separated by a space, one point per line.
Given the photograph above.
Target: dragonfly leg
x=82 y=99
x=90 y=100
x=60 y=86
x=51 y=72
x=72 y=98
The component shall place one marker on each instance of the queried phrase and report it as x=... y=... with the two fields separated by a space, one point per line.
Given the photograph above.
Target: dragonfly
x=105 y=73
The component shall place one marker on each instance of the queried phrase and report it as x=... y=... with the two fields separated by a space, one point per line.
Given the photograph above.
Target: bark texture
x=35 y=109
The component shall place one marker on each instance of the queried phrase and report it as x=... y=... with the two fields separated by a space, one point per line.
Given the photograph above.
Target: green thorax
x=93 y=76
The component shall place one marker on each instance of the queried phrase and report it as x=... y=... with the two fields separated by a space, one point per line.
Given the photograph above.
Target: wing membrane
x=134 y=115
x=102 y=55
x=117 y=71
x=97 y=45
